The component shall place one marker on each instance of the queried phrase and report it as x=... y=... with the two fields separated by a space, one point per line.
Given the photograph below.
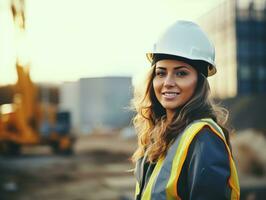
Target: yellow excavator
x=30 y=121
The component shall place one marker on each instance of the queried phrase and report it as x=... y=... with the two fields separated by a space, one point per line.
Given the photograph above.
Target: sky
x=70 y=39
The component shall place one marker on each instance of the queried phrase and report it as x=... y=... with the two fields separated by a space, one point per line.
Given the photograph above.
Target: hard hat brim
x=211 y=68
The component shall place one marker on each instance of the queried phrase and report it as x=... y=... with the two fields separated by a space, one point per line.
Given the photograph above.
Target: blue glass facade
x=251 y=50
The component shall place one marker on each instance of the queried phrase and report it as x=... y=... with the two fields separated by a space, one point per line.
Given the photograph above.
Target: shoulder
x=207 y=158
x=206 y=169
x=206 y=134
x=208 y=146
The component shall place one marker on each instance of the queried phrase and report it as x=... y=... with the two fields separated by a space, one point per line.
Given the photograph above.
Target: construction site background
x=97 y=162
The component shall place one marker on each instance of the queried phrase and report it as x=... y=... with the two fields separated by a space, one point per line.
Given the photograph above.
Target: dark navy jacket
x=206 y=170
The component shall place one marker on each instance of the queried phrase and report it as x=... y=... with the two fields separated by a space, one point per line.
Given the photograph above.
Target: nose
x=169 y=81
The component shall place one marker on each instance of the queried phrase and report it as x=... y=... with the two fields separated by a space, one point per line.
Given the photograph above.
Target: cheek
x=189 y=86
x=156 y=86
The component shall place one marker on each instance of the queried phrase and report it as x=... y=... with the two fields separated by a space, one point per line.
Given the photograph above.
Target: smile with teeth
x=170 y=94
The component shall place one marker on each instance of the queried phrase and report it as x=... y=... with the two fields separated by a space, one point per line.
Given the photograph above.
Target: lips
x=170 y=95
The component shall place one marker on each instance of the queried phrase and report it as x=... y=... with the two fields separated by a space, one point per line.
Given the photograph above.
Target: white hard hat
x=186 y=39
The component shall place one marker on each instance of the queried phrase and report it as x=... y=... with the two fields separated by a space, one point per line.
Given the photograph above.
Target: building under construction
x=238 y=30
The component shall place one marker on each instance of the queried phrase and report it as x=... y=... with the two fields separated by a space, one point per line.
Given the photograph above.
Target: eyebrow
x=178 y=67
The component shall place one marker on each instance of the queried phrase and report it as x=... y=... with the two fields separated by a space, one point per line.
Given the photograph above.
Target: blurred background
x=67 y=73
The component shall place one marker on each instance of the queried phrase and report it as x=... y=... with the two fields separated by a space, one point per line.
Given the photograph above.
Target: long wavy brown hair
x=154 y=134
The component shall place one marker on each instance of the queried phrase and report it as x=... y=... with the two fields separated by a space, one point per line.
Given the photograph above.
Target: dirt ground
x=99 y=169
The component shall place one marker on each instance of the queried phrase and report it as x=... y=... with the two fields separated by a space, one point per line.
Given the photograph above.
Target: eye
x=181 y=73
x=160 y=73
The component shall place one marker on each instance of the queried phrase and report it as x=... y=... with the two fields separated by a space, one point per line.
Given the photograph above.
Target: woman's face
x=174 y=83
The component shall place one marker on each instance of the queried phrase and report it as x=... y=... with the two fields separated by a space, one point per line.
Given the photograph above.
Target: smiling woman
x=174 y=84
x=183 y=147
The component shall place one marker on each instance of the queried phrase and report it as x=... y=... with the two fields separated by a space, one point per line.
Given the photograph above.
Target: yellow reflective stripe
x=233 y=182
x=179 y=159
x=137 y=189
x=148 y=189
x=212 y=124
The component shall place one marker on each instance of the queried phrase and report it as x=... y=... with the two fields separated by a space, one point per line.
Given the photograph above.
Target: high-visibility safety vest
x=163 y=181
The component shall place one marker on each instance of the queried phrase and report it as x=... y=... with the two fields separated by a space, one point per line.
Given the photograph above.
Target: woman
x=183 y=148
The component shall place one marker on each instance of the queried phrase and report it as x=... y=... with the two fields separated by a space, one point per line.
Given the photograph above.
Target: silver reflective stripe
x=139 y=170
x=158 y=190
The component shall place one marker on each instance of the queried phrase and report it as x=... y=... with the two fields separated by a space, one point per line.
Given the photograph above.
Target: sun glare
x=68 y=40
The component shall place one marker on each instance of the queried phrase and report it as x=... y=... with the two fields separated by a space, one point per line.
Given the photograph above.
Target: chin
x=171 y=107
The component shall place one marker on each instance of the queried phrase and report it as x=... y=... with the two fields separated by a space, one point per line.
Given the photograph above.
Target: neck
x=169 y=116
